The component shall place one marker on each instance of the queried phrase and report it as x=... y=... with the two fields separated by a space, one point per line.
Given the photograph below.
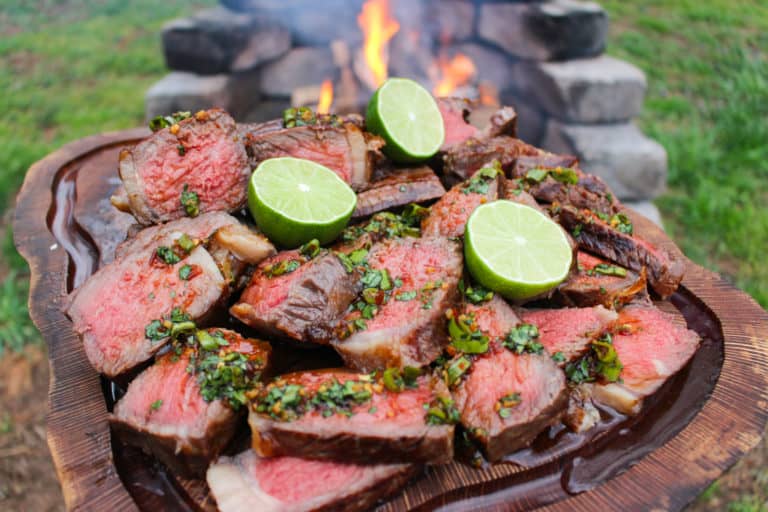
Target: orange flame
x=378 y=28
x=326 y=97
x=456 y=72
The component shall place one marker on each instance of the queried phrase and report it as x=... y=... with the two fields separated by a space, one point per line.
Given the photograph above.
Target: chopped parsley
x=389 y=224
x=577 y=230
x=181 y=150
x=352 y=260
x=524 y=338
x=176 y=323
x=185 y=272
x=442 y=411
x=305 y=116
x=284 y=267
x=287 y=402
x=607 y=270
x=160 y=122
x=621 y=223
x=167 y=255
x=397 y=380
x=506 y=403
x=190 y=201
x=558 y=357
x=481 y=180
x=465 y=335
x=311 y=249
x=405 y=296
x=156 y=404
x=600 y=363
x=475 y=294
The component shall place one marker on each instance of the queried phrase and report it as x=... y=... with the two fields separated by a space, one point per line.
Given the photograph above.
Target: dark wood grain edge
x=77 y=415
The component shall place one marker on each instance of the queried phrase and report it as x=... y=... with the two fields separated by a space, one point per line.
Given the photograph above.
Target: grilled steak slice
x=398 y=187
x=455 y=112
x=505 y=399
x=296 y=297
x=406 y=326
x=164 y=411
x=346 y=150
x=248 y=483
x=502 y=122
x=449 y=215
x=651 y=347
x=350 y=417
x=569 y=331
x=202 y=155
x=275 y=125
x=665 y=268
x=157 y=273
x=599 y=282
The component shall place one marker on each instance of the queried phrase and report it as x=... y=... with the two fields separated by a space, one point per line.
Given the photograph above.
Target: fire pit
x=257 y=57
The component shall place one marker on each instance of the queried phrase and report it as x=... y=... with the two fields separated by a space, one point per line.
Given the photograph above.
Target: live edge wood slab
x=699 y=425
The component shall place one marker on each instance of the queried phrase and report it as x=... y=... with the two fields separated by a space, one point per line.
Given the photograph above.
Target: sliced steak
x=598 y=281
x=350 y=417
x=394 y=188
x=346 y=150
x=501 y=122
x=164 y=412
x=665 y=268
x=569 y=331
x=505 y=399
x=153 y=277
x=295 y=297
x=406 y=325
x=651 y=348
x=455 y=112
x=248 y=483
x=202 y=155
x=449 y=215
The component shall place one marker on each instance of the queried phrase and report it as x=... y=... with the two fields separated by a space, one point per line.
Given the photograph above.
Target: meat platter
x=582 y=444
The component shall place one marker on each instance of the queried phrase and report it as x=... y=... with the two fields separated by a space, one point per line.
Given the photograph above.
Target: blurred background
x=689 y=119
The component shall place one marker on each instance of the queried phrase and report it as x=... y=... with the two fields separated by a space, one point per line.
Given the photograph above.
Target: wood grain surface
x=67 y=194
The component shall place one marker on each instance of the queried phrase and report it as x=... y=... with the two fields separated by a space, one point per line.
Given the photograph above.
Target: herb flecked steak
x=651 y=348
x=346 y=149
x=178 y=408
x=169 y=273
x=612 y=239
x=339 y=415
x=449 y=215
x=506 y=388
x=394 y=188
x=195 y=165
x=297 y=294
x=600 y=282
x=398 y=321
x=249 y=483
x=456 y=113
x=568 y=331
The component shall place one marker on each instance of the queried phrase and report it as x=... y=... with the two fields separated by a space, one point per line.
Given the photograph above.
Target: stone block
x=452 y=20
x=633 y=165
x=300 y=66
x=531 y=122
x=311 y=22
x=557 y=30
x=218 y=40
x=492 y=65
x=597 y=90
x=648 y=210
x=235 y=93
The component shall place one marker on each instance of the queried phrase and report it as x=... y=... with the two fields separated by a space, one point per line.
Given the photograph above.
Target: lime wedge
x=294 y=200
x=406 y=116
x=515 y=250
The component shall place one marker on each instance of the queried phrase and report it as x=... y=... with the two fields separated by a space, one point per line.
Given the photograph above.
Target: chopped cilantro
x=185 y=272
x=160 y=122
x=524 y=338
x=442 y=411
x=558 y=357
x=156 y=404
x=405 y=296
x=190 y=201
x=167 y=255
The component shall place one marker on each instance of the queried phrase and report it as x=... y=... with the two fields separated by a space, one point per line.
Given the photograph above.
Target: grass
x=707 y=104
x=68 y=68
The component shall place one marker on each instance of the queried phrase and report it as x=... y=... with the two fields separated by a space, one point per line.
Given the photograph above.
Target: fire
x=378 y=28
x=455 y=72
x=326 y=97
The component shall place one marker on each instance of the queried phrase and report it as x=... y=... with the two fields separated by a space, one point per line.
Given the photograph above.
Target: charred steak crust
x=396 y=188
x=203 y=153
x=311 y=298
x=586 y=288
x=249 y=483
x=389 y=427
x=665 y=268
x=408 y=332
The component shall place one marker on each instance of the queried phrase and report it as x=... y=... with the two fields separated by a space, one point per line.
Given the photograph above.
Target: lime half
x=515 y=250
x=406 y=116
x=294 y=200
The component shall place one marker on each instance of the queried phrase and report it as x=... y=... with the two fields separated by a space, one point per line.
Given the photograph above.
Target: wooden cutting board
x=693 y=429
